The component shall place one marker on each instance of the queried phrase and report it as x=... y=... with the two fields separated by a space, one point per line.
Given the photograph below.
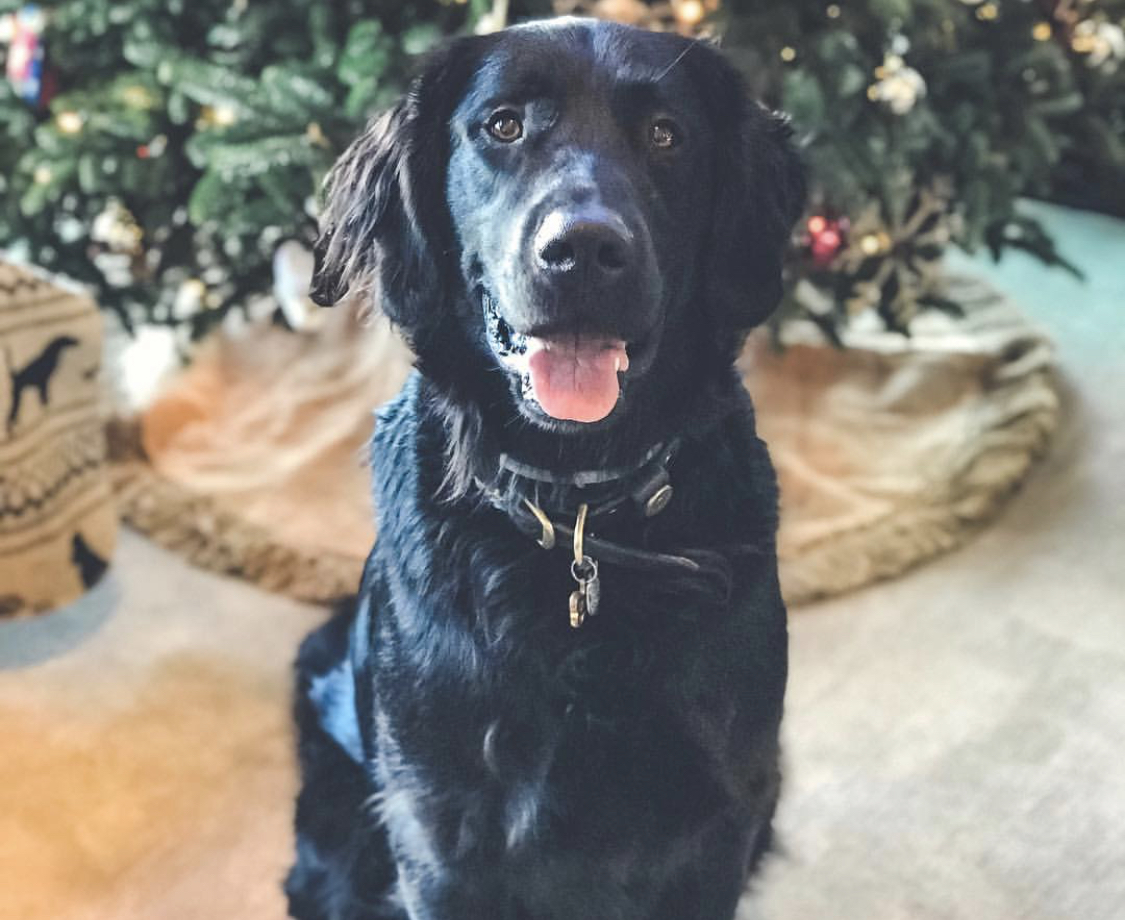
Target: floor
x=954 y=739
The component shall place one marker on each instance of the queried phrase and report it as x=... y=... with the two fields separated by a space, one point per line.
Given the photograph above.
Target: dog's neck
x=480 y=462
x=503 y=452
x=546 y=500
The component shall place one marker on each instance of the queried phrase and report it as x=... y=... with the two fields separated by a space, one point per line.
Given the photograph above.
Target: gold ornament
x=315 y=135
x=788 y=53
x=137 y=97
x=217 y=116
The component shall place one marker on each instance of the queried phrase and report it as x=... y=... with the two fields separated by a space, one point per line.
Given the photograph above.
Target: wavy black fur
x=466 y=755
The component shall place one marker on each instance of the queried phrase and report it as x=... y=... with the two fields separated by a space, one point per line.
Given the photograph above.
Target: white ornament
x=898 y=86
x=189 y=299
x=1100 y=41
x=116 y=227
x=145 y=363
x=292 y=274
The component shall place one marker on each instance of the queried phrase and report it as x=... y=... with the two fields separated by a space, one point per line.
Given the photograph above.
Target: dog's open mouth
x=572 y=377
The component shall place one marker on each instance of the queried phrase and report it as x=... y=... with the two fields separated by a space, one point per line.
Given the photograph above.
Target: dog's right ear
x=364 y=210
x=385 y=230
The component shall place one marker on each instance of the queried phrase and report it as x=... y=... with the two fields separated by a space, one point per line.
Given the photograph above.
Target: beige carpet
x=955 y=739
x=146 y=769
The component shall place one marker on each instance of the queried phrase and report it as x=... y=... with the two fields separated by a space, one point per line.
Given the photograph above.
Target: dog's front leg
x=711 y=888
x=433 y=893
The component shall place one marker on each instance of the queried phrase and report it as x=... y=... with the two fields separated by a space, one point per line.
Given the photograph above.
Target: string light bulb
x=70 y=122
x=689 y=12
x=874 y=243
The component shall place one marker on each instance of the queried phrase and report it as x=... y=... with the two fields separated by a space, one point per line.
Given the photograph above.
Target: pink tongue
x=576 y=380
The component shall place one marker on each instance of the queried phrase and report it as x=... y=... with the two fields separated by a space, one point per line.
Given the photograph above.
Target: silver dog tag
x=593 y=589
x=589 y=594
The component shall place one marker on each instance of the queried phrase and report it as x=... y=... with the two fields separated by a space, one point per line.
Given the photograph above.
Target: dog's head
x=596 y=211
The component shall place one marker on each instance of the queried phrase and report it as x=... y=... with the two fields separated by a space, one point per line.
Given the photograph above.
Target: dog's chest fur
x=494 y=730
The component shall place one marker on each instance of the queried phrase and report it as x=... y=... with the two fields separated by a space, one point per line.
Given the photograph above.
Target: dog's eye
x=505 y=126
x=664 y=134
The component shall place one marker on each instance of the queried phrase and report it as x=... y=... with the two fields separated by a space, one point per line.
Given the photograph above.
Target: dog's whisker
x=679 y=57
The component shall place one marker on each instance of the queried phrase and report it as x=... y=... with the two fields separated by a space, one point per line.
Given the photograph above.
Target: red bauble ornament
x=825 y=238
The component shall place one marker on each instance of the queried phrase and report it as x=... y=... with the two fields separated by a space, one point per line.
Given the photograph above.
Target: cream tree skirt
x=889 y=451
x=895 y=450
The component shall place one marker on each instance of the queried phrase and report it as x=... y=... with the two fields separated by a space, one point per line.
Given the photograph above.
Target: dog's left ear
x=385 y=230
x=759 y=194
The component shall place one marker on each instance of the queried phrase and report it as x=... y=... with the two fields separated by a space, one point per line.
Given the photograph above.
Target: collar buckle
x=652 y=494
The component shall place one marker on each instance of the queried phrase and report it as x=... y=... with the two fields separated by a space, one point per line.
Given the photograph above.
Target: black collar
x=582 y=478
x=646 y=484
x=544 y=504
x=562 y=511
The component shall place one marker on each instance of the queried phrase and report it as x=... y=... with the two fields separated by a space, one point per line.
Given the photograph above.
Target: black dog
x=575 y=224
x=37 y=374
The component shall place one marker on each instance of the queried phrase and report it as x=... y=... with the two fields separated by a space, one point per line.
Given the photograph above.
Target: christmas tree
x=925 y=121
x=164 y=151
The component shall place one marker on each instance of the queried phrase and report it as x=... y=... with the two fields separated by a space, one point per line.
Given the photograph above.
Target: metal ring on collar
x=547 y=538
x=580 y=532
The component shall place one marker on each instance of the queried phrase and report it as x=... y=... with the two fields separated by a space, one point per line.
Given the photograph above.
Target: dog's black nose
x=592 y=243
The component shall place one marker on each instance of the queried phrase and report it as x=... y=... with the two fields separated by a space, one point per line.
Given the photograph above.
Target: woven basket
x=58 y=524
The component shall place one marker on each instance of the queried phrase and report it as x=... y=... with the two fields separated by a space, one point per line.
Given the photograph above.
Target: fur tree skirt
x=889 y=451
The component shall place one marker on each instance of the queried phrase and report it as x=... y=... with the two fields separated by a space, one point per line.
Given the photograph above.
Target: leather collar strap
x=582 y=478
x=646 y=484
x=530 y=497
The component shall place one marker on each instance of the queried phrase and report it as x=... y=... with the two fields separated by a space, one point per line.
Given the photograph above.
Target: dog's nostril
x=597 y=246
x=558 y=254
x=611 y=256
